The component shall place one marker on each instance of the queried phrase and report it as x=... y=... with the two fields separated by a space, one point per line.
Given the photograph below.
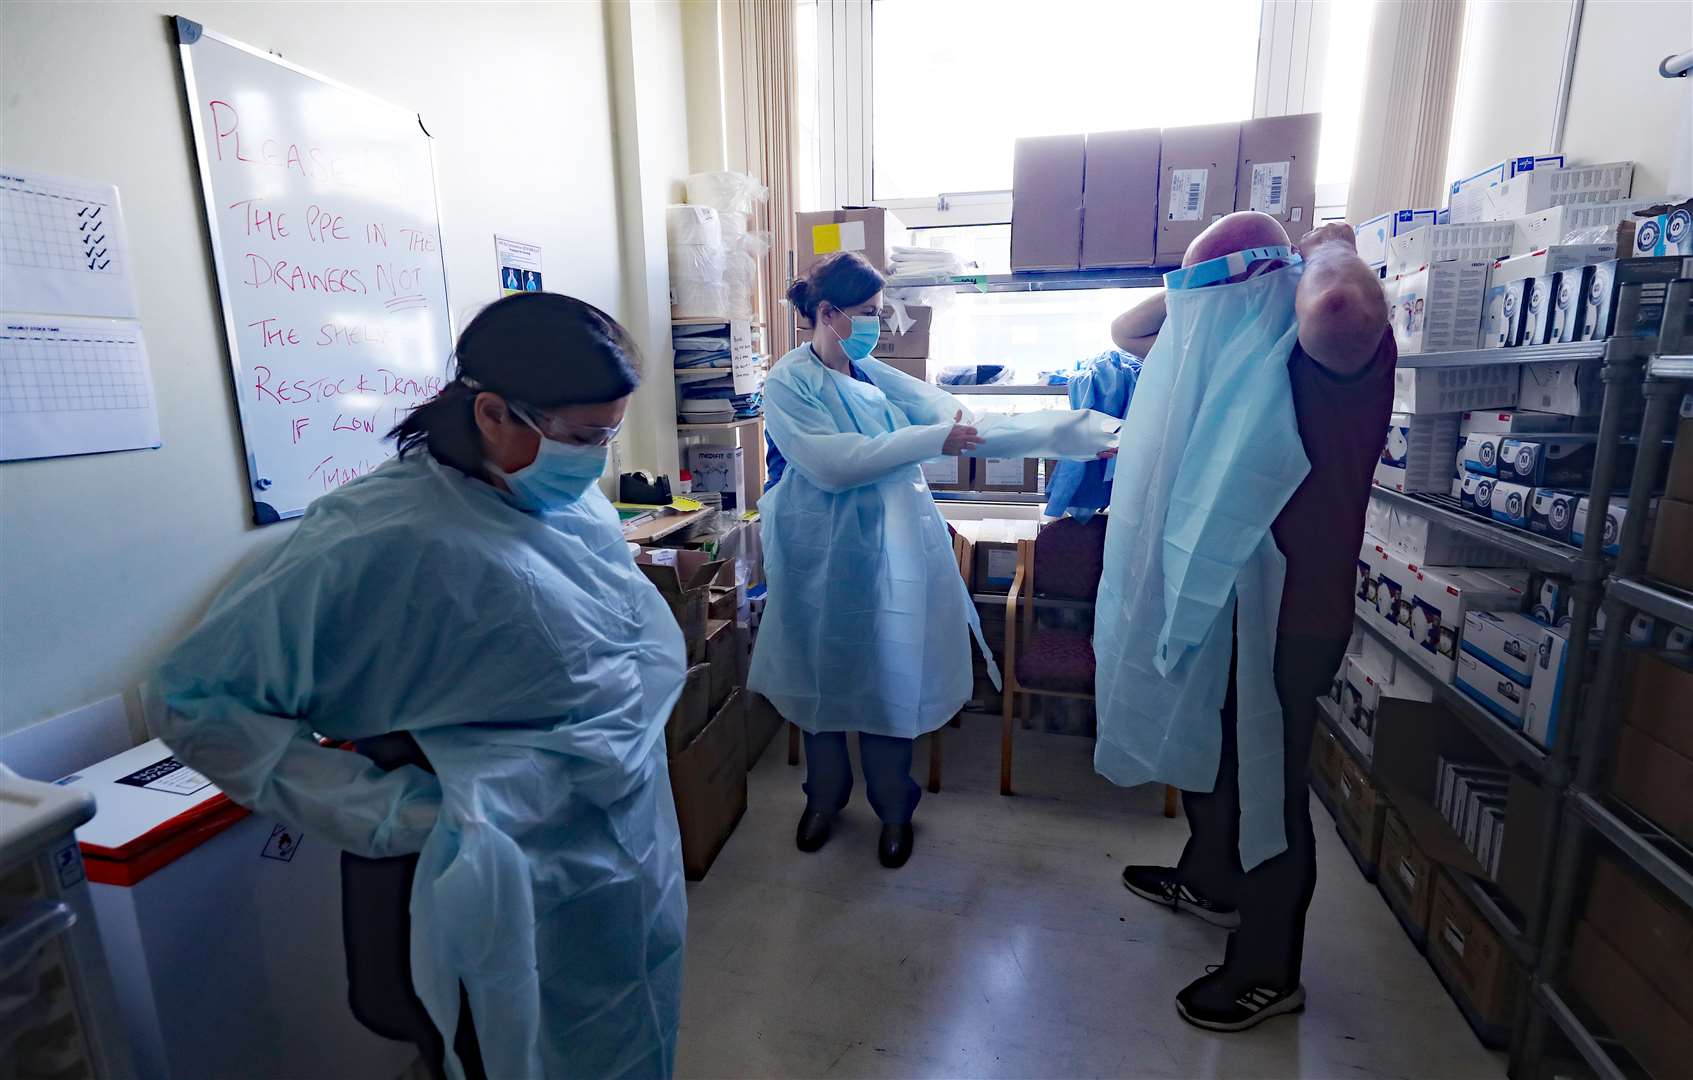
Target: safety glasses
x=570 y=434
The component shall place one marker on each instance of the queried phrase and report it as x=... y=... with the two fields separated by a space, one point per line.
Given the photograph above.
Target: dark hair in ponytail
x=539 y=349
x=843 y=279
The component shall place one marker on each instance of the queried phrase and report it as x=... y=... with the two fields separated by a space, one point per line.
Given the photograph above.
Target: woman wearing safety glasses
x=469 y=619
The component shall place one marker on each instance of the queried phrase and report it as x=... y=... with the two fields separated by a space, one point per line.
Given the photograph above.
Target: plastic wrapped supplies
x=714 y=252
x=729 y=192
x=686 y=225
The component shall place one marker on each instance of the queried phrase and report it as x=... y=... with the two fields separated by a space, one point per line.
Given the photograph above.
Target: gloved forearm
x=1077 y=434
x=272 y=765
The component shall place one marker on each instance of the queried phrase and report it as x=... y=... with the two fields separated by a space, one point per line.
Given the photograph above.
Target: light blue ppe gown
x=868 y=622
x=1210 y=454
x=535 y=667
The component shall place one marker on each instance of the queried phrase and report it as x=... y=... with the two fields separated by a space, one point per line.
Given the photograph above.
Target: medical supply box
x=1006 y=474
x=1418 y=451
x=1467 y=201
x=1437 y=307
x=684 y=579
x=1120 y=199
x=1196 y=184
x=871 y=231
x=1046 y=202
x=1278 y=169
x=947 y=473
x=1668 y=232
x=1454 y=390
x=222 y=929
x=1539 y=189
x=1448 y=243
x=1374 y=234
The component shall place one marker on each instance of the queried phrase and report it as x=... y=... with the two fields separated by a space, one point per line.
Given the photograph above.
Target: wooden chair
x=1067 y=557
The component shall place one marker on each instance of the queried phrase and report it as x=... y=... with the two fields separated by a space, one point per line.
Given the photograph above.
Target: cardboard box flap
x=677 y=570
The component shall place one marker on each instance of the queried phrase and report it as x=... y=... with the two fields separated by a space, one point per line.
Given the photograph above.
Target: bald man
x=1341 y=373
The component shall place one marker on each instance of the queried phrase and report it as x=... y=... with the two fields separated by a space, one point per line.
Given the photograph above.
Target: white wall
x=1620 y=109
x=104 y=561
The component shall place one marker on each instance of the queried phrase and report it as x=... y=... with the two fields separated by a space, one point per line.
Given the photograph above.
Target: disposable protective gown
x=1210 y=454
x=868 y=621
x=535 y=667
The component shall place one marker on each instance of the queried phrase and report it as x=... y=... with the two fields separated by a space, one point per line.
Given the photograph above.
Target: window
x=957 y=81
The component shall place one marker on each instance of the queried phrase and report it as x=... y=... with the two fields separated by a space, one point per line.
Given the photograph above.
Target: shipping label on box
x=1277 y=174
x=1197 y=167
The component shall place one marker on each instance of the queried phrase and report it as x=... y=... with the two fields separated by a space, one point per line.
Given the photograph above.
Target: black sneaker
x=1218 y=1001
x=1159 y=885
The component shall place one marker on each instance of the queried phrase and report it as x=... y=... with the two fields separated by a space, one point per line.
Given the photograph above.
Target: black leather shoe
x=813 y=830
x=895 y=845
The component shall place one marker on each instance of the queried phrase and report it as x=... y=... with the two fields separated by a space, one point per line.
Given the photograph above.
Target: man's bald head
x=1235 y=232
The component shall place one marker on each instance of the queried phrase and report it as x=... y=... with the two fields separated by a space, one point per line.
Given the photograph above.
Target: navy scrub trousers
x=886 y=760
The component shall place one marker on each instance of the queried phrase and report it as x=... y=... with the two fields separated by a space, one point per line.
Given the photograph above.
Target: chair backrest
x=1069 y=557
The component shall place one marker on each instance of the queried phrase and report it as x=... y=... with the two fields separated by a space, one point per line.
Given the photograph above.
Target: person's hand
x=1335 y=232
x=961 y=439
x=1107 y=454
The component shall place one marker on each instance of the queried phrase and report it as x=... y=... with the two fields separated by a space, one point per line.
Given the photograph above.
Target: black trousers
x=1273 y=897
x=886 y=760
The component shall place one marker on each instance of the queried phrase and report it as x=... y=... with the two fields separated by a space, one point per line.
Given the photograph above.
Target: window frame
x=1292 y=42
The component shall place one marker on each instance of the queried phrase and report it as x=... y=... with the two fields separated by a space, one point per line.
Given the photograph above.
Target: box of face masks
x=720 y=468
x=1438 y=307
x=1510 y=503
x=1668 y=233
x=1574 y=184
x=1545 y=686
x=1448 y=243
x=1454 y=390
x=1598 y=319
x=222 y=930
x=1480 y=453
x=1548 y=260
x=1502 y=322
x=1505 y=640
x=1569 y=292
x=1552 y=513
x=1439 y=598
x=1467 y=197
x=1570 y=387
x=1615 y=514
x=1423 y=541
x=1498 y=693
x=1374 y=234
x=1417 y=453
x=1512 y=422
x=1552 y=460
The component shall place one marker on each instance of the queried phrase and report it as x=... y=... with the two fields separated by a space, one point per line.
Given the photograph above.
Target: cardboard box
x=1404 y=874
x=947 y=474
x=684 y=579
x=1649 y=1027
x=1529 y=192
x=708 y=780
x=1374 y=234
x=1448 y=243
x=691 y=711
x=1476 y=964
x=1007 y=474
x=911 y=345
x=1679 y=483
x=1363 y=687
x=1647 y=927
x=1419 y=449
x=1278 y=169
x=1658 y=693
x=725 y=603
x=1553 y=512
x=1453 y=391
x=763 y=723
x=1569 y=387
x=1467 y=197
x=1480 y=452
x=1671 y=556
x=1507 y=641
x=1569 y=293
x=1437 y=308
x=1120 y=199
x=995 y=552
x=1655 y=780
x=720 y=645
x=1551 y=460
x=1196 y=184
x=1537 y=308
x=1548 y=260
x=1585 y=223
x=1511 y=503
x=1422 y=541
x=869 y=230
x=1362 y=810
x=1046 y=202
x=1326 y=755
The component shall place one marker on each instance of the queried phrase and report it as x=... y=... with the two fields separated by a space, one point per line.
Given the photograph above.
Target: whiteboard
x=321 y=205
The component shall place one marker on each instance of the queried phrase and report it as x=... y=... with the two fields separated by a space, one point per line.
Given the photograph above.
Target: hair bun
x=803 y=297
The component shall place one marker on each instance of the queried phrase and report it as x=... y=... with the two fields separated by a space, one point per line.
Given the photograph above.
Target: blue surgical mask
x=866 y=331
x=559 y=475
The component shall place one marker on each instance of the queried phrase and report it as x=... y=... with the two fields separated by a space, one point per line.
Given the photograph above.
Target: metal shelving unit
x=1506 y=743
x=1587 y=814
x=1522 y=354
x=1133 y=277
x=1023 y=498
x=1537 y=552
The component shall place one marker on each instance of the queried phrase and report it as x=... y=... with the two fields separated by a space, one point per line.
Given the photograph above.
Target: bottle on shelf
x=685 y=482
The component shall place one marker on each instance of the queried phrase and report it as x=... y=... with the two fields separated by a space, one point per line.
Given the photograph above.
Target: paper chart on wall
x=62 y=247
x=74 y=386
